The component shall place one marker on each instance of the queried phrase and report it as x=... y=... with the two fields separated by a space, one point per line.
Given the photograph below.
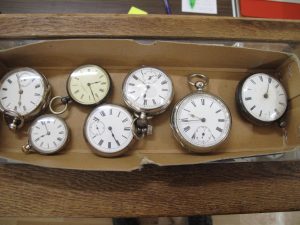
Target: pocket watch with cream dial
x=262 y=99
x=200 y=121
x=24 y=93
x=48 y=134
x=87 y=85
x=108 y=130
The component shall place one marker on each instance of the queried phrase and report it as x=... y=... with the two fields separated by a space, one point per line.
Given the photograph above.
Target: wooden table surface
x=170 y=191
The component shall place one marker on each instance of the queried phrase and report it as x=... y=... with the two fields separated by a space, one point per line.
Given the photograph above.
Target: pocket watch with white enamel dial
x=24 y=93
x=148 y=91
x=87 y=85
x=262 y=99
x=48 y=134
x=108 y=130
x=200 y=121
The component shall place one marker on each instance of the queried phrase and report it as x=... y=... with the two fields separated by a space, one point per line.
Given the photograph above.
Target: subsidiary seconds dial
x=261 y=99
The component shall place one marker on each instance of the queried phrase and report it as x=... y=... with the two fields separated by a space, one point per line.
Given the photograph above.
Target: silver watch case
x=186 y=144
x=148 y=112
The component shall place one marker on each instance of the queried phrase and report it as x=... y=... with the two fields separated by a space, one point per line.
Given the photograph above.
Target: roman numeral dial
x=262 y=98
x=108 y=130
x=202 y=120
x=48 y=134
x=147 y=89
x=88 y=84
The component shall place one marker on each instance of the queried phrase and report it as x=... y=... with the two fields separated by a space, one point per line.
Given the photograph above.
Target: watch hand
x=20 y=90
x=95 y=82
x=89 y=85
x=110 y=129
x=145 y=94
x=266 y=95
x=48 y=132
x=201 y=119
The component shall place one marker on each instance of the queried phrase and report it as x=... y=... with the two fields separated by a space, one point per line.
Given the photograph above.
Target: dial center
x=21 y=91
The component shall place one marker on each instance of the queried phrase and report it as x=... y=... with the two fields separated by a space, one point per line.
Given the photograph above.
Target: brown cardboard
x=225 y=66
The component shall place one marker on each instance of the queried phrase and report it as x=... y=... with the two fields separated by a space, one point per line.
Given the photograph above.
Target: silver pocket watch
x=24 y=93
x=148 y=91
x=200 y=121
x=48 y=134
x=108 y=130
x=262 y=100
x=87 y=85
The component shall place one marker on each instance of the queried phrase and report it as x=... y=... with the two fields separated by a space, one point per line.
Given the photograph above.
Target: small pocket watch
x=200 y=121
x=262 y=99
x=108 y=129
x=87 y=85
x=148 y=91
x=24 y=93
x=48 y=134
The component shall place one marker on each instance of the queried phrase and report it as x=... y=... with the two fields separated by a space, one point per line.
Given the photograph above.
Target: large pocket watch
x=48 y=134
x=108 y=130
x=200 y=121
x=148 y=91
x=262 y=99
x=87 y=85
x=24 y=93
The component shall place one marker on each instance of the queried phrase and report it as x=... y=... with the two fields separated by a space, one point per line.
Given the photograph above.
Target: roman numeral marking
x=135 y=77
x=219 y=129
x=61 y=132
x=118 y=143
x=186 y=129
x=81 y=97
x=102 y=113
x=260 y=113
x=193 y=103
x=37 y=86
x=76 y=91
x=95 y=119
x=24 y=107
x=127 y=128
x=124 y=136
x=131 y=92
x=154 y=102
x=261 y=78
x=281 y=103
x=164 y=89
x=162 y=97
x=187 y=110
x=211 y=104
x=41 y=144
x=102 y=90
x=59 y=139
x=276 y=110
x=110 y=112
x=164 y=82
x=202 y=101
x=253 y=81
x=109 y=144
x=100 y=142
x=4 y=89
x=32 y=103
x=131 y=84
x=59 y=126
x=248 y=98
x=125 y=120
x=277 y=85
x=194 y=136
x=37 y=94
x=145 y=101
x=221 y=120
x=270 y=80
x=185 y=120
x=218 y=111
x=4 y=98
x=119 y=114
x=9 y=81
x=253 y=107
x=54 y=143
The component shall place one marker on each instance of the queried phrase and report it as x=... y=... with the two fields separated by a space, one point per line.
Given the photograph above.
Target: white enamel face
x=88 y=85
x=264 y=97
x=108 y=129
x=22 y=91
x=202 y=120
x=48 y=134
x=148 y=88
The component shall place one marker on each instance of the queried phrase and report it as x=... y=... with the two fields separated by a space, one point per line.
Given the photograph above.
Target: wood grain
x=150 y=26
x=153 y=191
x=99 y=6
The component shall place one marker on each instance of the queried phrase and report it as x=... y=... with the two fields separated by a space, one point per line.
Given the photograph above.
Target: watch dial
x=263 y=97
x=22 y=91
x=147 y=88
x=202 y=120
x=48 y=134
x=108 y=129
x=88 y=85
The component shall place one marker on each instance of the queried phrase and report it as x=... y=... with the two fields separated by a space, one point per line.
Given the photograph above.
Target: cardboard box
x=225 y=66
